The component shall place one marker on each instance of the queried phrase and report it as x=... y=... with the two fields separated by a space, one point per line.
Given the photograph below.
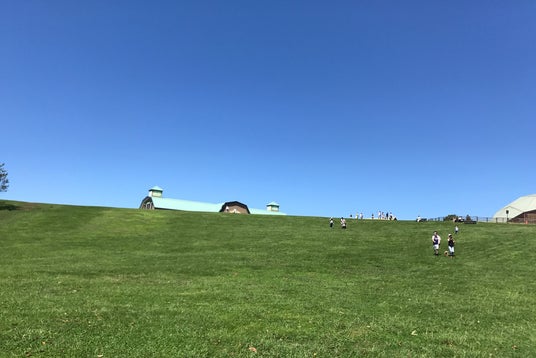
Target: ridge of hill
x=107 y=282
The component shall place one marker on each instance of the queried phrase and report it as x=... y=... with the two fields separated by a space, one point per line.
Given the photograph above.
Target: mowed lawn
x=104 y=282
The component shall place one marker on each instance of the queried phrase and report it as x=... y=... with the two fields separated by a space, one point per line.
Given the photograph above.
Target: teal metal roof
x=265 y=212
x=186 y=205
x=273 y=203
x=156 y=188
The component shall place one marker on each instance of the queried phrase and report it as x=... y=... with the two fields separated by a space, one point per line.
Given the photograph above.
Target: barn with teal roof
x=156 y=201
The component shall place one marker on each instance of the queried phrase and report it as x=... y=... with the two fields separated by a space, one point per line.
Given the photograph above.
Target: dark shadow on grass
x=8 y=206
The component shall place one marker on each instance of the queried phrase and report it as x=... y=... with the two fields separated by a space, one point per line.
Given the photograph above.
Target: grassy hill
x=103 y=282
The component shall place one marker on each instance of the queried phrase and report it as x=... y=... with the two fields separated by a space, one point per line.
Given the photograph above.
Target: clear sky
x=327 y=107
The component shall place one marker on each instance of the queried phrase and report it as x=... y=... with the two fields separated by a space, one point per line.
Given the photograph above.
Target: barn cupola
x=156 y=192
x=273 y=206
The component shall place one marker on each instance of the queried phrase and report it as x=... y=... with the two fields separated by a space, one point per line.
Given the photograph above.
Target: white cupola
x=156 y=192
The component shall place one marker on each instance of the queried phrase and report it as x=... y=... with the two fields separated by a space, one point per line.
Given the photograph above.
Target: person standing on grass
x=451 y=243
x=331 y=223
x=436 y=242
x=343 y=223
x=456 y=229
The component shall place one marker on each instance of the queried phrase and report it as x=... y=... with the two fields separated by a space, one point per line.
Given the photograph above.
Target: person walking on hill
x=451 y=243
x=331 y=223
x=436 y=242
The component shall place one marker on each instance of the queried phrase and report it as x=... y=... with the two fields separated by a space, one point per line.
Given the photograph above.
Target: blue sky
x=329 y=108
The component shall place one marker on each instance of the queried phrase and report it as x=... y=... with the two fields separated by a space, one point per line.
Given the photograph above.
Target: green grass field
x=103 y=282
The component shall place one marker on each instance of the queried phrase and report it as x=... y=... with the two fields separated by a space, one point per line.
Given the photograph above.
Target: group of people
x=436 y=239
x=359 y=216
x=343 y=223
x=436 y=242
x=384 y=215
x=381 y=216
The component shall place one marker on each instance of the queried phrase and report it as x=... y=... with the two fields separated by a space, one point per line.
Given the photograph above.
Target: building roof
x=265 y=212
x=187 y=205
x=158 y=202
x=517 y=207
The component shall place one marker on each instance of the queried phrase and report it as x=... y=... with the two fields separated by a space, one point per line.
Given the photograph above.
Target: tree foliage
x=4 y=182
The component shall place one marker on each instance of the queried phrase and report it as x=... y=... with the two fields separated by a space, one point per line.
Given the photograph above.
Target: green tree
x=4 y=182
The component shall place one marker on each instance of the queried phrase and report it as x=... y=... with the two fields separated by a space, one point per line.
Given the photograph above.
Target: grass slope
x=102 y=282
